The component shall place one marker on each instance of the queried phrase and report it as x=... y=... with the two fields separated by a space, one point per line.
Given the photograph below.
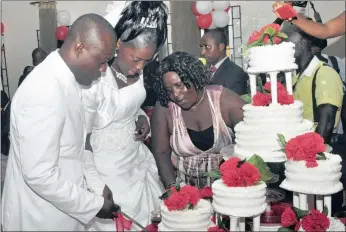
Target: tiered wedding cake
x=274 y=111
x=184 y=210
x=241 y=191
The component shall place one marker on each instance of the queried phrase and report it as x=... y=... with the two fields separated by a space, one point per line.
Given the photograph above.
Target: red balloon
x=204 y=21
x=227 y=9
x=194 y=10
x=61 y=33
x=2 y=28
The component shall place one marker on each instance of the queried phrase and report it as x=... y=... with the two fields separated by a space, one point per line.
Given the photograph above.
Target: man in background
x=38 y=55
x=225 y=72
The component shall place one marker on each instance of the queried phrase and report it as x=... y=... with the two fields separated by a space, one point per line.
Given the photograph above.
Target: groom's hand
x=142 y=128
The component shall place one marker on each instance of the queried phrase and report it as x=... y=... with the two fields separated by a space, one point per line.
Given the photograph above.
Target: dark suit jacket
x=231 y=76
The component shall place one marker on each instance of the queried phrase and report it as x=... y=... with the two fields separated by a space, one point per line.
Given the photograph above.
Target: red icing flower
x=275 y=26
x=261 y=99
x=266 y=40
x=180 y=199
x=236 y=173
x=255 y=36
x=305 y=147
x=213 y=219
x=193 y=194
x=284 y=98
x=206 y=192
x=280 y=86
x=297 y=227
x=177 y=201
x=216 y=229
x=288 y=218
x=315 y=221
x=277 y=40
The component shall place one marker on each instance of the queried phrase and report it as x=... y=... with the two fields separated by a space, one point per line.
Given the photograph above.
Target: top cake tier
x=272 y=58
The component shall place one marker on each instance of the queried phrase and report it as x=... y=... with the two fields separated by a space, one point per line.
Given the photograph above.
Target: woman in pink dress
x=192 y=122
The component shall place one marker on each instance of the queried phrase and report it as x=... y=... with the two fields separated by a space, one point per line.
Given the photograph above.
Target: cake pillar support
x=234 y=223
x=253 y=85
x=295 y=199
x=241 y=224
x=303 y=204
x=319 y=203
x=328 y=204
x=274 y=87
x=289 y=85
x=256 y=223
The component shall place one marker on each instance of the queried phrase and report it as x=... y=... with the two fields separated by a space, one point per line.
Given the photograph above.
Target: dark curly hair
x=190 y=70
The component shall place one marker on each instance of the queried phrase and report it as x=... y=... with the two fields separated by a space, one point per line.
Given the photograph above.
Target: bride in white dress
x=112 y=106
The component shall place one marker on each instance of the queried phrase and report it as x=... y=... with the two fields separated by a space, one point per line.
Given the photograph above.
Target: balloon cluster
x=64 y=19
x=211 y=14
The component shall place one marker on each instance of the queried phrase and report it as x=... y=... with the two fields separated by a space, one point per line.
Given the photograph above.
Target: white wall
x=21 y=22
x=20 y=35
x=78 y=8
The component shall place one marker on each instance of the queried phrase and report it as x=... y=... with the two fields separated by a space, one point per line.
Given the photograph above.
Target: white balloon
x=212 y=26
x=204 y=7
x=220 y=18
x=220 y=5
x=64 y=18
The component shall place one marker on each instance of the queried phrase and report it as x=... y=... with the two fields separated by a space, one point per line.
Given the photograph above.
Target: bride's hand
x=142 y=128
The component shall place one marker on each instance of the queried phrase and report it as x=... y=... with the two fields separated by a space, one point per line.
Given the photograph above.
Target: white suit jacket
x=44 y=186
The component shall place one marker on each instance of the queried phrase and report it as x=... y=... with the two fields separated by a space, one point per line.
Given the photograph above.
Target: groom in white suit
x=44 y=186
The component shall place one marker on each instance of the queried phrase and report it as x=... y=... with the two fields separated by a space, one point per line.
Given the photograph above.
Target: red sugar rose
x=275 y=26
x=206 y=192
x=255 y=36
x=288 y=218
x=280 y=86
x=235 y=174
x=315 y=221
x=216 y=229
x=261 y=99
x=266 y=40
x=284 y=98
x=305 y=147
x=193 y=194
x=177 y=201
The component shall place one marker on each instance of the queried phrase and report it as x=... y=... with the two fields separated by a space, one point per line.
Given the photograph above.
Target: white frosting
x=239 y=201
x=198 y=219
x=322 y=180
x=335 y=225
x=258 y=132
x=271 y=58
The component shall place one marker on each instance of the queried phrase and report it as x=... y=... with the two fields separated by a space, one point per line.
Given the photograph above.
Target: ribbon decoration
x=121 y=223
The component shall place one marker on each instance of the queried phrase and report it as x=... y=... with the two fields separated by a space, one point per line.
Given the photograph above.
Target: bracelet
x=171 y=185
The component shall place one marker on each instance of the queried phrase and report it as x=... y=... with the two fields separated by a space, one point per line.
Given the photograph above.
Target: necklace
x=200 y=100
x=119 y=75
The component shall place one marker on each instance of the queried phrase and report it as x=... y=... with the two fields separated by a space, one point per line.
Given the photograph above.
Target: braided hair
x=131 y=26
x=190 y=70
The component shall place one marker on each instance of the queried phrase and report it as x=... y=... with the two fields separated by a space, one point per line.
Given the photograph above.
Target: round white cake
x=322 y=180
x=239 y=201
x=198 y=219
x=258 y=132
x=270 y=58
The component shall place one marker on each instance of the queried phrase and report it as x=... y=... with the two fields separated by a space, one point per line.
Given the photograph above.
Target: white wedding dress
x=125 y=165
